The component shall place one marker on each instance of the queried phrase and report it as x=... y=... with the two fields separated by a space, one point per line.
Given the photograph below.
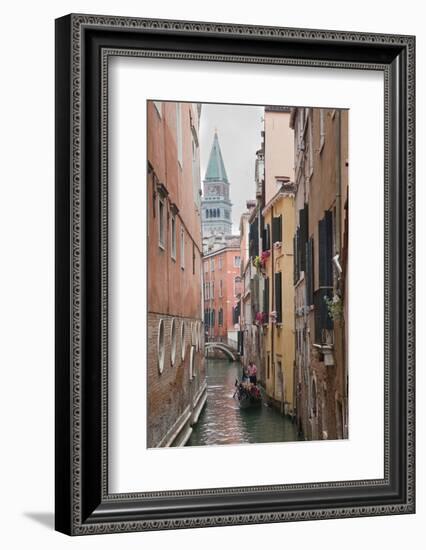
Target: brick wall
x=172 y=392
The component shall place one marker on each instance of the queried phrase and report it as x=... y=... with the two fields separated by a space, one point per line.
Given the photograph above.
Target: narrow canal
x=223 y=422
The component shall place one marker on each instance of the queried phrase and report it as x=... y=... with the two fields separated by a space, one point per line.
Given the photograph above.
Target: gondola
x=247 y=394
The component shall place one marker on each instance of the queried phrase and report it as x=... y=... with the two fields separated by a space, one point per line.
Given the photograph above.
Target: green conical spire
x=216 y=168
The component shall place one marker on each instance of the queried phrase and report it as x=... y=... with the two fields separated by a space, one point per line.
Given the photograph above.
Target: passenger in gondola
x=245 y=374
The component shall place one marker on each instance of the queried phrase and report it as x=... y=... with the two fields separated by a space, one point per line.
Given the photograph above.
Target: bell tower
x=216 y=206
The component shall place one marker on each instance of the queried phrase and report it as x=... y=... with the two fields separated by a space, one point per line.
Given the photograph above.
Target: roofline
x=220 y=250
x=282 y=192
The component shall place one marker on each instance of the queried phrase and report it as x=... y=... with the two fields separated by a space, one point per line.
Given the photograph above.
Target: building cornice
x=220 y=251
x=286 y=190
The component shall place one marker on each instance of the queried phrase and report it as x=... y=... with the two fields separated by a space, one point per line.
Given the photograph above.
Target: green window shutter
x=325 y=232
x=304 y=231
x=266 y=296
x=277 y=229
x=310 y=272
x=278 y=296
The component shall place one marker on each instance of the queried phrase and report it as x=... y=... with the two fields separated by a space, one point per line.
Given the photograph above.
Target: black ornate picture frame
x=84 y=44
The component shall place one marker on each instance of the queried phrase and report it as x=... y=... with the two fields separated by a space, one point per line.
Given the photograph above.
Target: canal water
x=223 y=422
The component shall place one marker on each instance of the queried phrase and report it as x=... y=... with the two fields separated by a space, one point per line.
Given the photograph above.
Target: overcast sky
x=238 y=128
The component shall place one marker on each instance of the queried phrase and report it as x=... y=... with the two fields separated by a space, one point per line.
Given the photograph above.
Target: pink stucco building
x=222 y=287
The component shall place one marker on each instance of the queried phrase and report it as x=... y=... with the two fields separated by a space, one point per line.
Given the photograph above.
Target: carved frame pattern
x=70 y=517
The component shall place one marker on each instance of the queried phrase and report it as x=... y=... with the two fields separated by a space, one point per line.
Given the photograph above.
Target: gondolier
x=252 y=372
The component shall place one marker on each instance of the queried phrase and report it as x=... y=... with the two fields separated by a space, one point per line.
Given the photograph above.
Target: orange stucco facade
x=222 y=286
x=176 y=375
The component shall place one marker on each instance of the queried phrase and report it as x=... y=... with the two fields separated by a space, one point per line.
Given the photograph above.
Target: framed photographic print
x=234 y=274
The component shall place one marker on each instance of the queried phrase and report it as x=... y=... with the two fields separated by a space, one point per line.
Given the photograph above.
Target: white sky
x=238 y=128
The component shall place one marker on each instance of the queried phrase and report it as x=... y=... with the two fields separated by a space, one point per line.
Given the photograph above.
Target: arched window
x=192 y=363
x=173 y=339
x=195 y=342
x=182 y=341
x=160 y=346
x=206 y=213
x=201 y=336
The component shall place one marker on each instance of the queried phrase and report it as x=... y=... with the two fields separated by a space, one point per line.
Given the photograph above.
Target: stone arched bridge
x=228 y=350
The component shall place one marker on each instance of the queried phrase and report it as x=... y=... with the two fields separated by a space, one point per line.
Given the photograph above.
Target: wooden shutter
x=322 y=252
x=304 y=231
x=266 y=296
x=328 y=219
x=325 y=231
x=310 y=272
x=266 y=237
x=278 y=296
x=254 y=238
x=277 y=229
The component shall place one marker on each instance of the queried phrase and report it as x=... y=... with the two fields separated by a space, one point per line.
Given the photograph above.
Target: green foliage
x=335 y=306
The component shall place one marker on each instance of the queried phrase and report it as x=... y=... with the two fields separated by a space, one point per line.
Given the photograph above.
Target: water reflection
x=222 y=421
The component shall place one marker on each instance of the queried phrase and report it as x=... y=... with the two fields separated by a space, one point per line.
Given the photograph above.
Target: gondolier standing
x=252 y=372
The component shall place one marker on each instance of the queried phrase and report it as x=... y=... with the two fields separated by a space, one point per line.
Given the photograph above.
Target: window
x=173 y=238
x=179 y=133
x=277 y=229
x=212 y=289
x=201 y=335
x=160 y=346
x=254 y=238
x=158 y=106
x=192 y=363
x=207 y=291
x=212 y=264
x=237 y=286
x=237 y=261
x=220 y=263
x=194 y=334
x=173 y=339
x=220 y=319
x=182 y=248
x=303 y=237
x=197 y=335
x=266 y=245
x=206 y=266
x=182 y=340
x=161 y=223
x=220 y=288
x=323 y=321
